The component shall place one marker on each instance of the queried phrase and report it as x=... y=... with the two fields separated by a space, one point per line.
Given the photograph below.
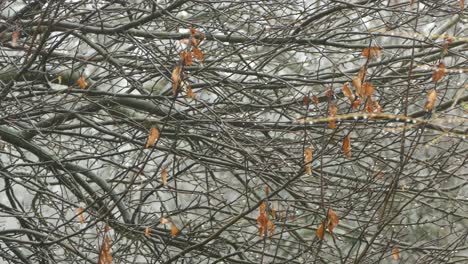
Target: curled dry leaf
x=356 y=103
x=82 y=82
x=439 y=72
x=164 y=176
x=163 y=221
x=79 y=213
x=372 y=52
x=315 y=100
x=14 y=37
x=369 y=106
x=148 y=232
x=431 y=100
x=396 y=253
x=190 y=92
x=348 y=93
x=105 y=256
x=308 y=160
x=462 y=5
x=174 y=230
x=153 y=137
x=358 y=80
x=176 y=78
x=367 y=89
x=186 y=57
x=321 y=231
x=264 y=223
x=333 y=220
x=197 y=53
x=306 y=100
x=332 y=110
x=347 y=146
x=377 y=106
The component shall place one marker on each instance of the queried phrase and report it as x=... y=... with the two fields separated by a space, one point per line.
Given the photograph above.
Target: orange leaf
x=148 y=232
x=333 y=220
x=190 y=92
x=186 y=57
x=431 y=100
x=164 y=176
x=104 y=254
x=396 y=253
x=176 y=78
x=369 y=106
x=371 y=52
x=462 y=5
x=273 y=213
x=358 y=81
x=367 y=89
x=153 y=137
x=321 y=231
x=348 y=93
x=332 y=110
x=82 y=82
x=163 y=221
x=356 y=103
x=174 y=230
x=262 y=221
x=439 y=73
x=347 y=146
x=263 y=207
x=308 y=160
x=197 y=53
x=378 y=107
x=79 y=212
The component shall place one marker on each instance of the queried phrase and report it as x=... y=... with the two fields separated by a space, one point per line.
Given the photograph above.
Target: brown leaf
x=306 y=100
x=308 y=160
x=190 y=92
x=371 y=52
x=347 y=146
x=186 y=57
x=153 y=137
x=197 y=53
x=104 y=254
x=367 y=89
x=263 y=207
x=164 y=176
x=174 y=230
x=79 y=213
x=396 y=253
x=315 y=100
x=462 y=5
x=82 y=82
x=267 y=190
x=369 y=105
x=333 y=220
x=176 y=78
x=348 y=93
x=358 y=81
x=356 y=103
x=439 y=73
x=163 y=221
x=262 y=221
x=148 y=232
x=431 y=100
x=332 y=110
x=321 y=231
x=273 y=213
x=378 y=107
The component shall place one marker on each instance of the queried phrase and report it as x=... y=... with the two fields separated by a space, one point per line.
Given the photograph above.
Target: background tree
x=233 y=131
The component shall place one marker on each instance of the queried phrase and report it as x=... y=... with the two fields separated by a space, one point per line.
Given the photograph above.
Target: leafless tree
x=157 y=131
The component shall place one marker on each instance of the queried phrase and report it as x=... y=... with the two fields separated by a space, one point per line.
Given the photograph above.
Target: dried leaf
x=307 y=160
x=431 y=100
x=396 y=253
x=262 y=221
x=263 y=207
x=369 y=105
x=194 y=32
x=358 y=81
x=174 y=230
x=356 y=103
x=14 y=37
x=439 y=72
x=348 y=93
x=332 y=110
x=82 y=82
x=164 y=176
x=321 y=231
x=153 y=137
x=267 y=190
x=273 y=213
x=148 y=232
x=372 y=52
x=104 y=254
x=79 y=213
x=197 y=53
x=378 y=107
x=186 y=57
x=163 y=221
x=347 y=146
x=367 y=89
x=176 y=78
x=462 y=5
x=332 y=220
x=306 y=100
x=190 y=92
